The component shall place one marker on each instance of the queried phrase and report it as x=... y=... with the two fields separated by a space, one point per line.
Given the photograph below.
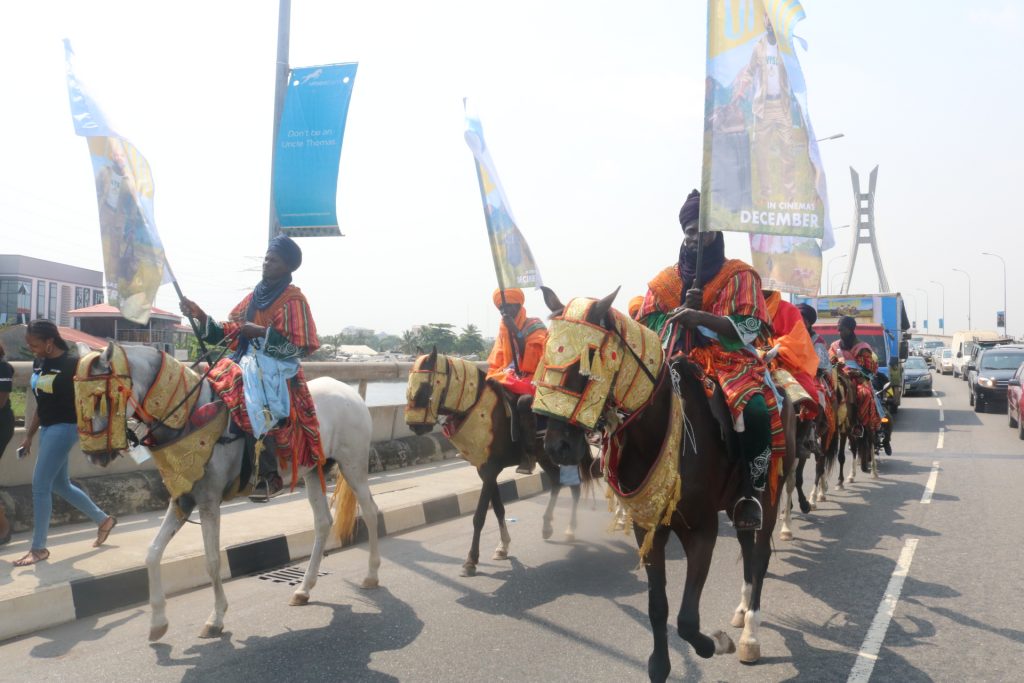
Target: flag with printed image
x=134 y=264
x=762 y=170
x=513 y=260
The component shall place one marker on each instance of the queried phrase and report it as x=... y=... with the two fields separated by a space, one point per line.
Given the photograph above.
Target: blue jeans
x=51 y=476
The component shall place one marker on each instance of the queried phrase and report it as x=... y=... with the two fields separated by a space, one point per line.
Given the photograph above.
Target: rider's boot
x=269 y=484
x=755 y=446
x=527 y=434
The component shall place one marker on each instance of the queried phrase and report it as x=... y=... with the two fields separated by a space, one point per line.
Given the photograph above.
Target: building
x=32 y=288
x=164 y=330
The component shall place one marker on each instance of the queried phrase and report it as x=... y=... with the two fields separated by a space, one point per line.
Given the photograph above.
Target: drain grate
x=291 y=576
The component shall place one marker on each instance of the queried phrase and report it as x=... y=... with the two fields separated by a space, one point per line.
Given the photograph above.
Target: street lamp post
x=987 y=253
x=828 y=271
x=839 y=274
x=958 y=270
x=927 y=307
x=942 y=320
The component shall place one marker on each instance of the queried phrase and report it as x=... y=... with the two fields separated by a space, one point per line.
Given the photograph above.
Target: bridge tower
x=864 y=230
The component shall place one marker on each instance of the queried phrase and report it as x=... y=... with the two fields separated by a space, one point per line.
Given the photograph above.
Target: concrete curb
x=92 y=595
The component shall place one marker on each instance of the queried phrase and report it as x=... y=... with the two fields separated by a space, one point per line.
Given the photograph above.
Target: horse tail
x=345 y=512
x=587 y=476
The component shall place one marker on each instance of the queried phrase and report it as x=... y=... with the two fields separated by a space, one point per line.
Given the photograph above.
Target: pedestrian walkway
x=79 y=580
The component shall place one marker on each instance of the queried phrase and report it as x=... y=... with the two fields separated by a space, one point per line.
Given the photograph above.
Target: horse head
x=596 y=361
x=421 y=410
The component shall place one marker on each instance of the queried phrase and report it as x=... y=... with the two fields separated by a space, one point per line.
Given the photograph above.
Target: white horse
x=345 y=429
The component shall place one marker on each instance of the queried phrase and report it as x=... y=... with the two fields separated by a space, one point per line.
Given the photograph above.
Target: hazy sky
x=593 y=113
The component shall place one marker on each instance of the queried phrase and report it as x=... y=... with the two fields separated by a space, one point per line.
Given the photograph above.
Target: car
x=917 y=376
x=991 y=377
x=929 y=349
x=970 y=368
x=1014 y=404
x=944 y=362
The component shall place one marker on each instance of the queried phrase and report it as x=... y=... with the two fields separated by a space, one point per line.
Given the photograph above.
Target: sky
x=592 y=110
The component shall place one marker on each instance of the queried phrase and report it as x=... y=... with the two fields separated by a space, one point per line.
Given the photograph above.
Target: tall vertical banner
x=762 y=171
x=133 y=256
x=513 y=260
x=309 y=149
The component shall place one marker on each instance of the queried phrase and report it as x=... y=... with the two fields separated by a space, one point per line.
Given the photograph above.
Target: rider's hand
x=694 y=299
x=772 y=352
x=192 y=310
x=687 y=317
x=251 y=330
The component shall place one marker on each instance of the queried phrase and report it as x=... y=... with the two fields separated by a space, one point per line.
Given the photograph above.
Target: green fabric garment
x=748 y=328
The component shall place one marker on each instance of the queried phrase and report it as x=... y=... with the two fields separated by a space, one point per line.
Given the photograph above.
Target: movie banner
x=308 y=151
x=762 y=172
x=513 y=260
x=787 y=263
x=133 y=255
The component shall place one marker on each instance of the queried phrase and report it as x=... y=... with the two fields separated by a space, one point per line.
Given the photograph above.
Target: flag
x=786 y=263
x=133 y=256
x=513 y=261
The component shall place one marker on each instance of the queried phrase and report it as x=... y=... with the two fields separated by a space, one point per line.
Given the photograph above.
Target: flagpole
x=181 y=298
x=280 y=88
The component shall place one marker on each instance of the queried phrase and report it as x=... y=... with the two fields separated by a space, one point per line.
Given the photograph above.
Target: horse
x=591 y=377
x=862 y=447
x=477 y=419
x=114 y=384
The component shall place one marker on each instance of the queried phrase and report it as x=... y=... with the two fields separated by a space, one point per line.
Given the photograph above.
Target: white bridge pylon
x=864 y=230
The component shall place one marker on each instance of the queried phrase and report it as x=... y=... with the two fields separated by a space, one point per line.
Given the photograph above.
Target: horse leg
x=841 y=456
x=549 y=512
x=489 y=475
x=321 y=526
x=658 y=664
x=699 y=546
x=157 y=599
x=785 y=533
x=803 y=432
x=570 y=531
x=756 y=553
x=501 y=552
x=360 y=484
x=855 y=461
x=209 y=519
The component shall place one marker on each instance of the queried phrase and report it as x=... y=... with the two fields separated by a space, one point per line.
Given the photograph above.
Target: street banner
x=309 y=149
x=832 y=308
x=787 y=263
x=133 y=256
x=513 y=261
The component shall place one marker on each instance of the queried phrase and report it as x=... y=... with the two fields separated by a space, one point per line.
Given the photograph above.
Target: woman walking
x=52 y=383
x=6 y=429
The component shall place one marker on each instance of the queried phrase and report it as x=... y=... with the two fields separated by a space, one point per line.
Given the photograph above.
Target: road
x=562 y=611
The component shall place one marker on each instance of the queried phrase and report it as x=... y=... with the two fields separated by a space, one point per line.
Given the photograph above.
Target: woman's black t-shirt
x=54 y=389
x=6 y=382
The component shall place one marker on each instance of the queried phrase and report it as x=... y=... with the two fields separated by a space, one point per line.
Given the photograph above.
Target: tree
x=470 y=341
x=439 y=336
x=409 y=342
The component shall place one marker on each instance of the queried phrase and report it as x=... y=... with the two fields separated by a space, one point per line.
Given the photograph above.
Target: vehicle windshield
x=947 y=353
x=1002 y=360
x=933 y=344
x=915 y=363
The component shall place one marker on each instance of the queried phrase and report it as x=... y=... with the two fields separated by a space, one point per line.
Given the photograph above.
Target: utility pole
x=280 y=88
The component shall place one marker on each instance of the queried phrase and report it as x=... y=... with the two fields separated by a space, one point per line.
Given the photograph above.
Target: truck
x=882 y=322
x=963 y=345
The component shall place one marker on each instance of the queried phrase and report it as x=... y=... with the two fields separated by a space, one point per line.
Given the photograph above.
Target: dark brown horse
x=862 y=446
x=710 y=473
x=476 y=414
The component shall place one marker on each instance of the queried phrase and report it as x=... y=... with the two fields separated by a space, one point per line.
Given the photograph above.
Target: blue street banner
x=513 y=260
x=134 y=263
x=762 y=171
x=309 y=149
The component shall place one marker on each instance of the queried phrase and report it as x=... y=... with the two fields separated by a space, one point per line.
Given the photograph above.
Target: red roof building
x=164 y=330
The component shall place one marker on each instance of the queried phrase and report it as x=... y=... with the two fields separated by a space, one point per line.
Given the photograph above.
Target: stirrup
x=760 y=514
x=267 y=494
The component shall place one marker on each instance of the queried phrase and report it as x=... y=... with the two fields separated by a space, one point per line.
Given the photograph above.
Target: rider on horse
x=518 y=348
x=276 y=318
x=858 y=362
x=717 y=327
x=793 y=351
x=826 y=390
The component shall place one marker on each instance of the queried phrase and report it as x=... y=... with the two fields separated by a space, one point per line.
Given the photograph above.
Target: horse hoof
x=468 y=570
x=500 y=554
x=814 y=506
x=299 y=599
x=157 y=632
x=822 y=498
x=851 y=480
x=210 y=631
x=738 y=619
x=570 y=537
x=370 y=583
x=840 y=485
x=784 y=535
x=805 y=506
x=749 y=652
x=547 y=531
x=723 y=643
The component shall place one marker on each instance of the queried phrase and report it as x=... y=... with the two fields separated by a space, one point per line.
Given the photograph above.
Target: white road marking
x=942 y=413
x=868 y=655
x=942 y=437
x=929 y=488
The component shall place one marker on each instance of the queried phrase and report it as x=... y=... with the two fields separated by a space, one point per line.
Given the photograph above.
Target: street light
x=839 y=274
x=942 y=320
x=927 y=307
x=986 y=253
x=828 y=271
x=969 y=326
x=831 y=137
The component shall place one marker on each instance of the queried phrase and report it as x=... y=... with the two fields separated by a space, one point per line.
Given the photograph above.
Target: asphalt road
x=566 y=611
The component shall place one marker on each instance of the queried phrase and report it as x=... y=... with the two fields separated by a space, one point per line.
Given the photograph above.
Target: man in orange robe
x=518 y=348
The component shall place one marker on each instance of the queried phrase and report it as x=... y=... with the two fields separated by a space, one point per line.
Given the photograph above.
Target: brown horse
x=456 y=389
x=589 y=341
x=863 y=446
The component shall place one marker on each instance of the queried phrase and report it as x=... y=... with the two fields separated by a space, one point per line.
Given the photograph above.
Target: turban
x=512 y=296
x=634 y=306
x=288 y=250
x=691 y=208
x=847 y=322
x=808 y=312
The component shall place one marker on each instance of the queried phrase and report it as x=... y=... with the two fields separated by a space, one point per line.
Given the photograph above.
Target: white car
x=944 y=362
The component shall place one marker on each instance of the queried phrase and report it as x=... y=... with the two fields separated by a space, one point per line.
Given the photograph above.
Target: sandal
x=32 y=557
x=103 y=531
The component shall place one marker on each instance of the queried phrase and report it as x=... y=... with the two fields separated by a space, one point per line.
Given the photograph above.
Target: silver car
x=944 y=361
